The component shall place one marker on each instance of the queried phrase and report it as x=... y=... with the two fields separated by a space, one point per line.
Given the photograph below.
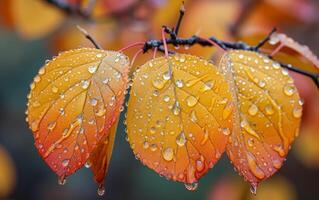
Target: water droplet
x=34 y=126
x=205 y=138
x=168 y=154
x=276 y=65
x=269 y=110
x=146 y=145
x=166 y=98
x=253 y=110
x=208 y=86
x=176 y=108
x=101 y=190
x=42 y=71
x=253 y=189
x=191 y=101
x=51 y=126
x=181 y=139
x=87 y=164
x=55 y=89
x=276 y=163
x=250 y=142
x=200 y=165
x=65 y=162
x=153 y=147
x=179 y=83
x=93 y=101
x=92 y=69
x=226 y=131
x=61 y=181
x=167 y=75
x=101 y=111
x=245 y=125
x=297 y=112
x=227 y=111
x=254 y=167
x=85 y=84
x=182 y=58
x=289 y=89
x=262 y=83
x=280 y=150
x=193 y=116
x=191 y=186
x=37 y=79
x=99 y=55
x=158 y=84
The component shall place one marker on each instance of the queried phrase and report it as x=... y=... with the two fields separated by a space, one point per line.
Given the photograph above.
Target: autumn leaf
x=100 y=157
x=179 y=116
x=267 y=115
x=74 y=100
x=34 y=18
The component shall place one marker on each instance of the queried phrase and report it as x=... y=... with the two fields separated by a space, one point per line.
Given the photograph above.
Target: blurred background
x=32 y=31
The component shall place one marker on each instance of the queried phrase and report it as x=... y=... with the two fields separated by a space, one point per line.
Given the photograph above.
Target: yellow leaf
x=267 y=116
x=74 y=100
x=179 y=116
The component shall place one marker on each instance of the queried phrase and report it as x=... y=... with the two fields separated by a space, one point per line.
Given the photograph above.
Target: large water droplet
x=254 y=168
x=181 y=139
x=85 y=84
x=191 y=186
x=55 y=89
x=61 y=181
x=93 y=101
x=65 y=162
x=176 y=108
x=253 y=110
x=297 y=112
x=167 y=75
x=166 y=98
x=158 y=84
x=269 y=110
x=225 y=131
x=289 y=90
x=179 y=83
x=193 y=116
x=191 y=101
x=101 y=190
x=253 y=189
x=92 y=69
x=168 y=154
x=88 y=164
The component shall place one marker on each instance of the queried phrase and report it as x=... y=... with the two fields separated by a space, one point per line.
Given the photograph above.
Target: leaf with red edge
x=73 y=102
x=100 y=157
x=285 y=41
x=179 y=116
x=267 y=116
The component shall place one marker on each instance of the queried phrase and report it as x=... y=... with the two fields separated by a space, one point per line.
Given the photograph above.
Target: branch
x=224 y=45
x=180 y=18
x=89 y=37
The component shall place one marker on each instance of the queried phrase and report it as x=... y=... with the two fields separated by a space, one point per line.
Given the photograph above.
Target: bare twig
x=180 y=18
x=89 y=37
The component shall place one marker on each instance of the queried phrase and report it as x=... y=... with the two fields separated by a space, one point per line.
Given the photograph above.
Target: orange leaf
x=100 y=157
x=267 y=116
x=178 y=118
x=74 y=100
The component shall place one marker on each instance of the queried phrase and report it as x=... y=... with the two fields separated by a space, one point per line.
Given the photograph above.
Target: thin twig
x=89 y=37
x=180 y=18
x=265 y=40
